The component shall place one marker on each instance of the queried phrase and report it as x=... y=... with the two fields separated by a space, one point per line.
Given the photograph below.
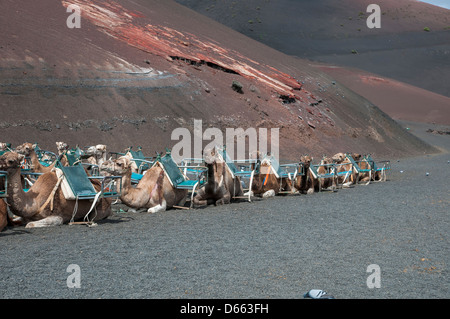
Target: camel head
x=265 y=167
x=3 y=146
x=326 y=160
x=356 y=156
x=338 y=158
x=11 y=160
x=62 y=146
x=118 y=166
x=96 y=150
x=305 y=161
x=25 y=149
x=211 y=155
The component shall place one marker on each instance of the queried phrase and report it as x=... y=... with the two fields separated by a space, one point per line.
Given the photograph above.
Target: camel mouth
x=107 y=169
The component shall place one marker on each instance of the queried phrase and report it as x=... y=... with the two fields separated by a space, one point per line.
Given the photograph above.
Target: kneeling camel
x=44 y=204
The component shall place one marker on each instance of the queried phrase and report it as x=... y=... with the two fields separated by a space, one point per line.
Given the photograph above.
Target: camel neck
x=16 y=195
x=126 y=182
x=210 y=171
x=35 y=160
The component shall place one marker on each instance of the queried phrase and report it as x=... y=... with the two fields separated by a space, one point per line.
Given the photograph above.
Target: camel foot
x=269 y=193
x=248 y=193
x=46 y=222
x=200 y=203
x=347 y=185
x=310 y=191
x=14 y=219
x=223 y=200
x=158 y=208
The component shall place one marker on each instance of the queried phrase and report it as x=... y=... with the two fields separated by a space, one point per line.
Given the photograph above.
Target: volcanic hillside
x=412 y=45
x=136 y=70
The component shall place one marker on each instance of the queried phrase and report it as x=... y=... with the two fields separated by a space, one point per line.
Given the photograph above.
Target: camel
x=344 y=165
x=265 y=182
x=27 y=149
x=221 y=186
x=323 y=183
x=62 y=147
x=153 y=193
x=134 y=168
x=5 y=147
x=303 y=183
x=364 y=165
x=44 y=204
x=97 y=154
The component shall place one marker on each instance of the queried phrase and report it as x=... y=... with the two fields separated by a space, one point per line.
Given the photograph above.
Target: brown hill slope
x=328 y=31
x=137 y=70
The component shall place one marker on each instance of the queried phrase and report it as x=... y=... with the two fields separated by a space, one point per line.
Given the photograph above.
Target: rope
x=75 y=209
x=51 y=196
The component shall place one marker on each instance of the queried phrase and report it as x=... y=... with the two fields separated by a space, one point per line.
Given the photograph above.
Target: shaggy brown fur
x=344 y=165
x=221 y=187
x=303 y=183
x=265 y=182
x=154 y=192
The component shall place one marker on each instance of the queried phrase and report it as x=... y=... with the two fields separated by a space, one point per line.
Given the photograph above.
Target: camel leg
x=200 y=199
x=182 y=202
x=158 y=208
x=249 y=193
x=226 y=199
x=15 y=220
x=269 y=193
x=346 y=185
x=46 y=222
x=334 y=185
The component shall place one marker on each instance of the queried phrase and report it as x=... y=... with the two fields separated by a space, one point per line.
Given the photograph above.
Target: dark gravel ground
x=275 y=248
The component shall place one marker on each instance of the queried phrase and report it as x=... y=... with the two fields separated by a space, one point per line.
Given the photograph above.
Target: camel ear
x=34 y=145
x=21 y=157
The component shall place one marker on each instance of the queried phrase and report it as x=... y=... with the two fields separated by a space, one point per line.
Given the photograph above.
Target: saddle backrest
x=171 y=169
x=75 y=183
x=352 y=161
